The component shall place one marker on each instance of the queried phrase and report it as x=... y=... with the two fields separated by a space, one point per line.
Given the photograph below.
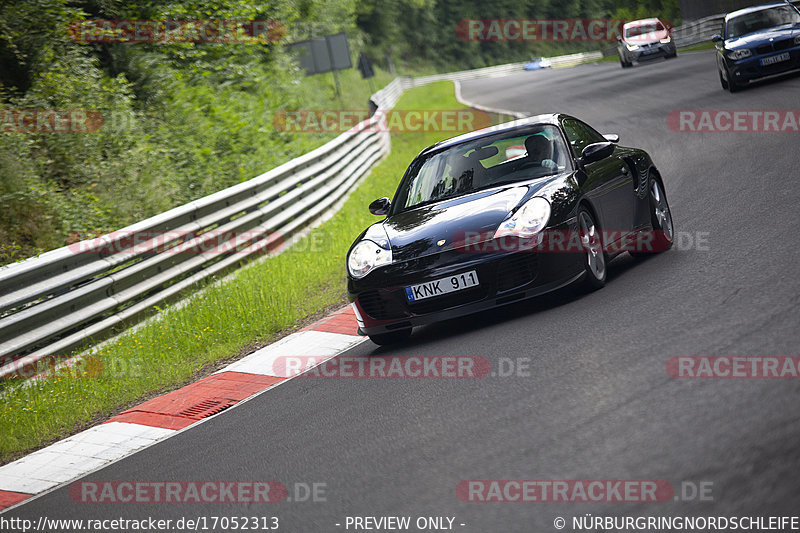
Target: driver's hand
x=549 y=163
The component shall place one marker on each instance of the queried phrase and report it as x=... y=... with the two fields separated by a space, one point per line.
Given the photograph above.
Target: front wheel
x=732 y=86
x=595 y=262
x=661 y=219
x=393 y=337
x=722 y=81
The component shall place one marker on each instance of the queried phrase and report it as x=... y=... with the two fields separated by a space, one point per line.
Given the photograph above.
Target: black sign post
x=365 y=67
x=324 y=54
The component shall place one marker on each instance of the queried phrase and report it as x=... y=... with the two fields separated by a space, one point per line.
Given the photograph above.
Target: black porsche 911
x=503 y=214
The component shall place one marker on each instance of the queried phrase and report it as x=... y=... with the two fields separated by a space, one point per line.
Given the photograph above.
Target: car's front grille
x=377 y=307
x=439 y=303
x=516 y=271
x=784 y=44
x=764 y=49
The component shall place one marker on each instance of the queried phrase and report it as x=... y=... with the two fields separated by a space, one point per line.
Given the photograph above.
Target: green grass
x=245 y=310
x=609 y=59
x=707 y=45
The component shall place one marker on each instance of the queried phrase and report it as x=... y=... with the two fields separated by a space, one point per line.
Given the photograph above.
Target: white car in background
x=643 y=40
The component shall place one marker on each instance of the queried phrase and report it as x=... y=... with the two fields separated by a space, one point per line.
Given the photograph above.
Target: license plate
x=776 y=59
x=438 y=287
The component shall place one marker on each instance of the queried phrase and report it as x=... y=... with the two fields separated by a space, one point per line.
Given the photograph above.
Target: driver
x=540 y=151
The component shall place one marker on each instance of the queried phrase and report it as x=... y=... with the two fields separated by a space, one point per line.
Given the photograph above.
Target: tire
x=722 y=81
x=393 y=337
x=623 y=62
x=732 y=86
x=595 y=262
x=660 y=220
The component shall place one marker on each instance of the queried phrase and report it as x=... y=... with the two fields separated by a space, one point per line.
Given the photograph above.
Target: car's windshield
x=761 y=20
x=643 y=28
x=467 y=167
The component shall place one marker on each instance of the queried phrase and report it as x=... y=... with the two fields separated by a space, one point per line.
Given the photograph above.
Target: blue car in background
x=538 y=63
x=758 y=42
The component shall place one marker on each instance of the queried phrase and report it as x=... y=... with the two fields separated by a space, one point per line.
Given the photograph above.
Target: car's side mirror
x=611 y=137
x=595 y=152
x=717 y=38
x=380 y=206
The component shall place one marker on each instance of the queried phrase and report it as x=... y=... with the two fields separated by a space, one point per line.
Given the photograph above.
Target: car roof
x=641 y=22
x=753 y=9
x=546 y=119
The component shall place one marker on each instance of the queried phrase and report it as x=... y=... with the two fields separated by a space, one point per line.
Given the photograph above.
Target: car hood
x=648 y=38
x=761 y=37
x=418 y=232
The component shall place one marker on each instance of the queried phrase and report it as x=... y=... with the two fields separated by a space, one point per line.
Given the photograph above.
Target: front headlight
x=631 y=47
x=365 y=256
x=666 y=40
x=736 y=55
x=529 y=220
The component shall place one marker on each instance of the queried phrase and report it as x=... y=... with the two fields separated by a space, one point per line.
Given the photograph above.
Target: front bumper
x=652 y=51
x=380 y=299
x=751 y=69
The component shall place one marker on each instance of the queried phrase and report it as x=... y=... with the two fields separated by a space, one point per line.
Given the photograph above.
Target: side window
x=580 y=136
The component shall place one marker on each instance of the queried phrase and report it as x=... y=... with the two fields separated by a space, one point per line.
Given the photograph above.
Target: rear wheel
x=393 y=337
x=595 y=262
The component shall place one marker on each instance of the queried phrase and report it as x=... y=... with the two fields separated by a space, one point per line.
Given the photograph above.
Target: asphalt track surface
x=598 y=402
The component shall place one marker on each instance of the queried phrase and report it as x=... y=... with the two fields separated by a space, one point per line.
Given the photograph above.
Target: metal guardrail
x=55 y=302
x=503 y=70
x=698 y=31
x=68 y=297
